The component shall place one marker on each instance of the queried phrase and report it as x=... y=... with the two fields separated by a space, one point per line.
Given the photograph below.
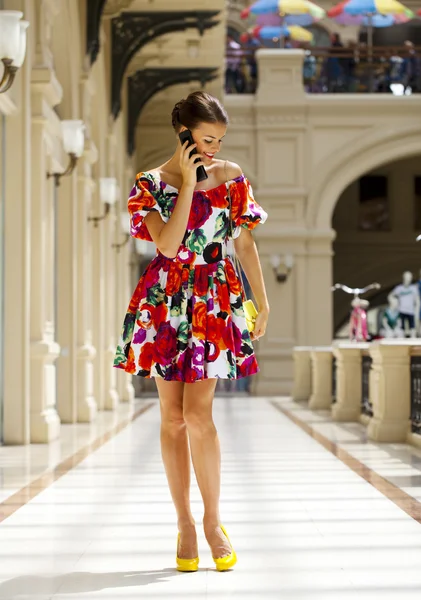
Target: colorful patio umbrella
x=283 y=7
x=376 y=20
x=371 y=7
x=295 y=32
x=275 y=19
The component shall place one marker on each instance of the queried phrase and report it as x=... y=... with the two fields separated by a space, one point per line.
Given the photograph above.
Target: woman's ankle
x=211 y=521
x=186 y=523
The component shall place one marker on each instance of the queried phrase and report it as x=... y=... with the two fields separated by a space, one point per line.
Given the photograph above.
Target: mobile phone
x=201 y=174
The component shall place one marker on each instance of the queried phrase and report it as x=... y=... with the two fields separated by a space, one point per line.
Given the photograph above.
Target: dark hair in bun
x=198 y=107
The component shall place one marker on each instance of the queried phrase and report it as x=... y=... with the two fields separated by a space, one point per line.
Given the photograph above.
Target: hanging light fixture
x=73 y=133
x=12 y=45
x=125 y=228
x=108 y=190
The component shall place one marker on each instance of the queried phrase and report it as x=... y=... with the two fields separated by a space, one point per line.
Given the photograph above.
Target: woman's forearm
x=249 y=259
x=172 y=233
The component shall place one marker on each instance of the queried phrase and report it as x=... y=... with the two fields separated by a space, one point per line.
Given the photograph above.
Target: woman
x=185 y=324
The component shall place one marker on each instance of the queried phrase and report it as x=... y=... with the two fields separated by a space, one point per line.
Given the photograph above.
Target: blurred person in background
x=233 y=64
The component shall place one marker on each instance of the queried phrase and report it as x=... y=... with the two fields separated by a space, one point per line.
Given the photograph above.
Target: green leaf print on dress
x=155 y=295
x=221 y=227
x=196 y=241
x=182 y=335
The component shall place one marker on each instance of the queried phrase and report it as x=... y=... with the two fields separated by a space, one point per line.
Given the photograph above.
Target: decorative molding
x=114 y=7
x=147 y=82
x=133 y=30
x=94 y=10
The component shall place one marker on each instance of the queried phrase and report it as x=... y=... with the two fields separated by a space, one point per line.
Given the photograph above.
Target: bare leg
x=176 y=458
x=206 y=455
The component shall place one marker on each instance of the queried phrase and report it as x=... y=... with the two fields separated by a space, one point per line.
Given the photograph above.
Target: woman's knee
x=198 y=422
x=173 y=423
x=171 y=404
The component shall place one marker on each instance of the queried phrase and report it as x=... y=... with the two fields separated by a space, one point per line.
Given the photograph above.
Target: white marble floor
x=303 y=524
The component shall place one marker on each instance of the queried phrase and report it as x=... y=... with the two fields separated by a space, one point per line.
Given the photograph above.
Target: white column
x=98 y=296
x=390 y=390
x=302 y=373
x=86 y=403
x=67 y=290
x=110 y=335
x=321 y=372
x=45 y=422
x=17 y=261
x=348 y=380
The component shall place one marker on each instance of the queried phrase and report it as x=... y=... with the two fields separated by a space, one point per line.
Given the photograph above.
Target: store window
x=374 y=214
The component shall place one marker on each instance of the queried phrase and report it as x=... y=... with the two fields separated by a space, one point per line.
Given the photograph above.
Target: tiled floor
x=303 y=524
x=398 y=463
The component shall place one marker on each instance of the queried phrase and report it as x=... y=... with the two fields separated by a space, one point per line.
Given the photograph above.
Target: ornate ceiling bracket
x=94 y=10
x=132 y=30
x=147 y=82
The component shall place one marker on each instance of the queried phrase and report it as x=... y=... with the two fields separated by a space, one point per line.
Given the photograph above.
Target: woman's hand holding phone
x=189 y=164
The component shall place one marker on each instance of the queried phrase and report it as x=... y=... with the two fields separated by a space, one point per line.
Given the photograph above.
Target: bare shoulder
x=232 y=170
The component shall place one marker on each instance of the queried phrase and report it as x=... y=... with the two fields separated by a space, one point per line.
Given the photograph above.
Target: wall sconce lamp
x=125 y=227
x=12 y=45
x=108 y=196
x=282 y=267
x=73 y=133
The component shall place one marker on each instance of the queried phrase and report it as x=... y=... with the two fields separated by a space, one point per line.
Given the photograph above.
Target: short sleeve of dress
x=144 y=198
x=245 y=211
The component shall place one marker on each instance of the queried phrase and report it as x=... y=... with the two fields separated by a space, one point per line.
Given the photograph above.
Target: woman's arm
x=248 y=256
x=168 y=236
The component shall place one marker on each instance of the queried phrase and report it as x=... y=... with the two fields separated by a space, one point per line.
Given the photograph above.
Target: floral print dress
x=185 y=321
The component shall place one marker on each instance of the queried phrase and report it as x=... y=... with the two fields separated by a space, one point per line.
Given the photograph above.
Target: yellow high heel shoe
x=226 y=562
x=186 y=565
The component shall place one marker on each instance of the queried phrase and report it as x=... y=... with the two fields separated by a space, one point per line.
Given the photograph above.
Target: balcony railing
x=381 y=69
x=366 y=406
x=416 y=393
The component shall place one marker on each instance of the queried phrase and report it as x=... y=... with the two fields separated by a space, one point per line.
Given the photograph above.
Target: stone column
x=302 y=373
x=45 y=423
x=321 y=373
x=86 y=403
x=279 y=187
x=110 y=335
x=390 y=390
x=348 y=380
x=98 y=296
x=16 y=134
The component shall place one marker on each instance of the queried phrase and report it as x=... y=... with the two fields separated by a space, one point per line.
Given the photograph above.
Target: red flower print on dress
x=219 y=197
x=199 y=320
x=146 y=356
x=200 y=211
x=201 y=281
x=131 y=366
x=173 y=279
x=216 y=327
x=233 y=281
x=165 y=346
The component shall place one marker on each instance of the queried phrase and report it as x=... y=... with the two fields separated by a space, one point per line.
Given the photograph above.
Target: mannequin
x=392 y=324
x=409 y=304
x=358 y=331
